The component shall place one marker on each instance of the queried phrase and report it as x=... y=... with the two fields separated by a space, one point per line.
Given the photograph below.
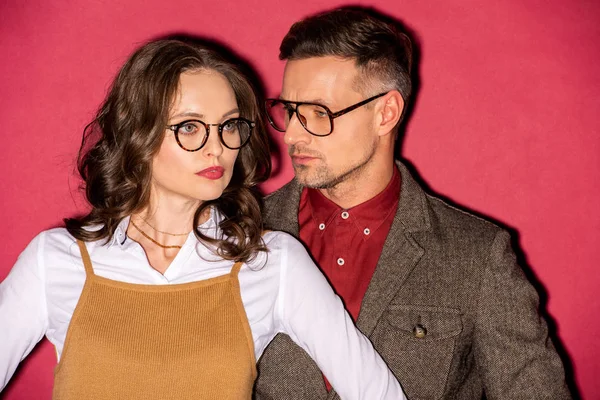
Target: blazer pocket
x=418 y=344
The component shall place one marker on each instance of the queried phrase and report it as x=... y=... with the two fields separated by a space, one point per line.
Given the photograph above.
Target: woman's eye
x=188 y=129
x=230 y=126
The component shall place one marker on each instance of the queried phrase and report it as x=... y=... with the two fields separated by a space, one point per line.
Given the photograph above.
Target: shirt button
x=321 y=226
x=345 y=215
x=419 y=331
x=340 y=261
x=367 y=231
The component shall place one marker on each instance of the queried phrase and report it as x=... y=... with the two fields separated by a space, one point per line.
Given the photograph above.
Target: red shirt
x=347 y=243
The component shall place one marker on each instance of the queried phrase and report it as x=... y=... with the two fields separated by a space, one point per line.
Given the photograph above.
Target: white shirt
x=282 y=291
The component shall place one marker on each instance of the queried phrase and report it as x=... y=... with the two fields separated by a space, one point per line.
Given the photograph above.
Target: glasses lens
x=315 y=119
x=235 y=133
x=279 y=114
x=191 y=135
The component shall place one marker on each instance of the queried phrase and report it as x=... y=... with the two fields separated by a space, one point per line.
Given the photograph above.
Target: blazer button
x=419 y=331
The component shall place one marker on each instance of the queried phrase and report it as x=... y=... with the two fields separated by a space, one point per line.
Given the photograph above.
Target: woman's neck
x=162 y=228
x=170 y=213
x=167 y=220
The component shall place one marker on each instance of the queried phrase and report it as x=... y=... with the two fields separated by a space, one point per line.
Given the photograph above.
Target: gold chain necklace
x=166 y=233
x=151 y=239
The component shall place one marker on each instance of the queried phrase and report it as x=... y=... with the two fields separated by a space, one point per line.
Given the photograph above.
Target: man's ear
x=390 y=112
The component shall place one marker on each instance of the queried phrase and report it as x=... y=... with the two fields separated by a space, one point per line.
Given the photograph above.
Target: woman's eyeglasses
x=192 y=134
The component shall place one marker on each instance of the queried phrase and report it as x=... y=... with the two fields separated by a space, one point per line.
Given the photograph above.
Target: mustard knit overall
x=131 y=341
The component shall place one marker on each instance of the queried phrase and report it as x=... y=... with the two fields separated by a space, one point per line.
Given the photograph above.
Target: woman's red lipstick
x=213 y=173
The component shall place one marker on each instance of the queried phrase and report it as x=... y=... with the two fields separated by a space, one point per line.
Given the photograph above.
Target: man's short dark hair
x=382 y=52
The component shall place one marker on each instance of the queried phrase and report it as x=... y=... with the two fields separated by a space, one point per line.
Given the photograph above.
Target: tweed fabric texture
x=455 y=277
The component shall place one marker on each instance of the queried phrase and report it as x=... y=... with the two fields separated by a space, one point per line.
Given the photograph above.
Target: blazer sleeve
x=515 y=356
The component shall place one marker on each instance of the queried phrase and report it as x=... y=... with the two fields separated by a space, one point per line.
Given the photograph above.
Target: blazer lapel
x=400 y=252
x=399 y=256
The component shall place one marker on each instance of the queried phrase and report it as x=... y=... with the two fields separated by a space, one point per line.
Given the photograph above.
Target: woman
x=168 y=288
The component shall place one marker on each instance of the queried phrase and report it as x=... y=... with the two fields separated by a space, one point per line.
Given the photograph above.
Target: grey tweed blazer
x=455 y=276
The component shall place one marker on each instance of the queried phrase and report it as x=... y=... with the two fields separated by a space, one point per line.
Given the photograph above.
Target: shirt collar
x=369 y=214
x=210 y=228
x=120 y=234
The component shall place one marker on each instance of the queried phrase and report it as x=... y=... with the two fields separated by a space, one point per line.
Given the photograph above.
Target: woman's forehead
x=205 y=92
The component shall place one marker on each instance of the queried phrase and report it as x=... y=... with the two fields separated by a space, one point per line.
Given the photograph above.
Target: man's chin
x=312 y=182
x=303 y=175
x=313 y=178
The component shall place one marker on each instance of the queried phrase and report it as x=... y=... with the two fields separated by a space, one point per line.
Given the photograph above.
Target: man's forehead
x=318 y=78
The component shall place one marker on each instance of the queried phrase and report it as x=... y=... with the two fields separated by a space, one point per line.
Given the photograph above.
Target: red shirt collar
x=368 y=215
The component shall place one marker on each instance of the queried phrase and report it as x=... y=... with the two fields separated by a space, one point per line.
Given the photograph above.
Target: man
x=436 y=290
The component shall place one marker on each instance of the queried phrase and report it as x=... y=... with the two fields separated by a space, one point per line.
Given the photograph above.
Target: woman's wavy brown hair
x=115 y=159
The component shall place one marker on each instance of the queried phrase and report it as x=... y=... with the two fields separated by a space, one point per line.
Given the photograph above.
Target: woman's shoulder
x=50 y=240
x=61 y=238
x=56 y=241
x=279 y=240
x=41 y=252
x=58 y=235
x=285 y=249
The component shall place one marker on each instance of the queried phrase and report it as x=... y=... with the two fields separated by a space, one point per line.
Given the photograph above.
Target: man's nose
x=295 y=132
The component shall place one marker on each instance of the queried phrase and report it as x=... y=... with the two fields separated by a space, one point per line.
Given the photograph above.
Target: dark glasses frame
x=269 y=103
x=175 y=128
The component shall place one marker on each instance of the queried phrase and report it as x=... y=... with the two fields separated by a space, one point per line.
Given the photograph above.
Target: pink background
x=505 y=124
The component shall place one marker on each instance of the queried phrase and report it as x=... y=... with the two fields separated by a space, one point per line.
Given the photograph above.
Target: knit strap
x=236 y=268
x=87 y=263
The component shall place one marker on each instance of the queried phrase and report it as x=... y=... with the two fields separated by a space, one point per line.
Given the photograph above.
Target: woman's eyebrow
x=188 y=114
x=201 y=116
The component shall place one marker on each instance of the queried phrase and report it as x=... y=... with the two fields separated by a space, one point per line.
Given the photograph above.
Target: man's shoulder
x=453 y=217
x=287 y=189
x=280 y=208
x=423 y=211
x=453 y=230
x=287 y=194
x=442 y=217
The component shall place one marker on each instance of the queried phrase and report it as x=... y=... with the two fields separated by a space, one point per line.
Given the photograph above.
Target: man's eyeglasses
x=316 y=118
x=192 y=135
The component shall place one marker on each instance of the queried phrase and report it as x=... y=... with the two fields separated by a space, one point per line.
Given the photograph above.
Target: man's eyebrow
x=316 y=101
